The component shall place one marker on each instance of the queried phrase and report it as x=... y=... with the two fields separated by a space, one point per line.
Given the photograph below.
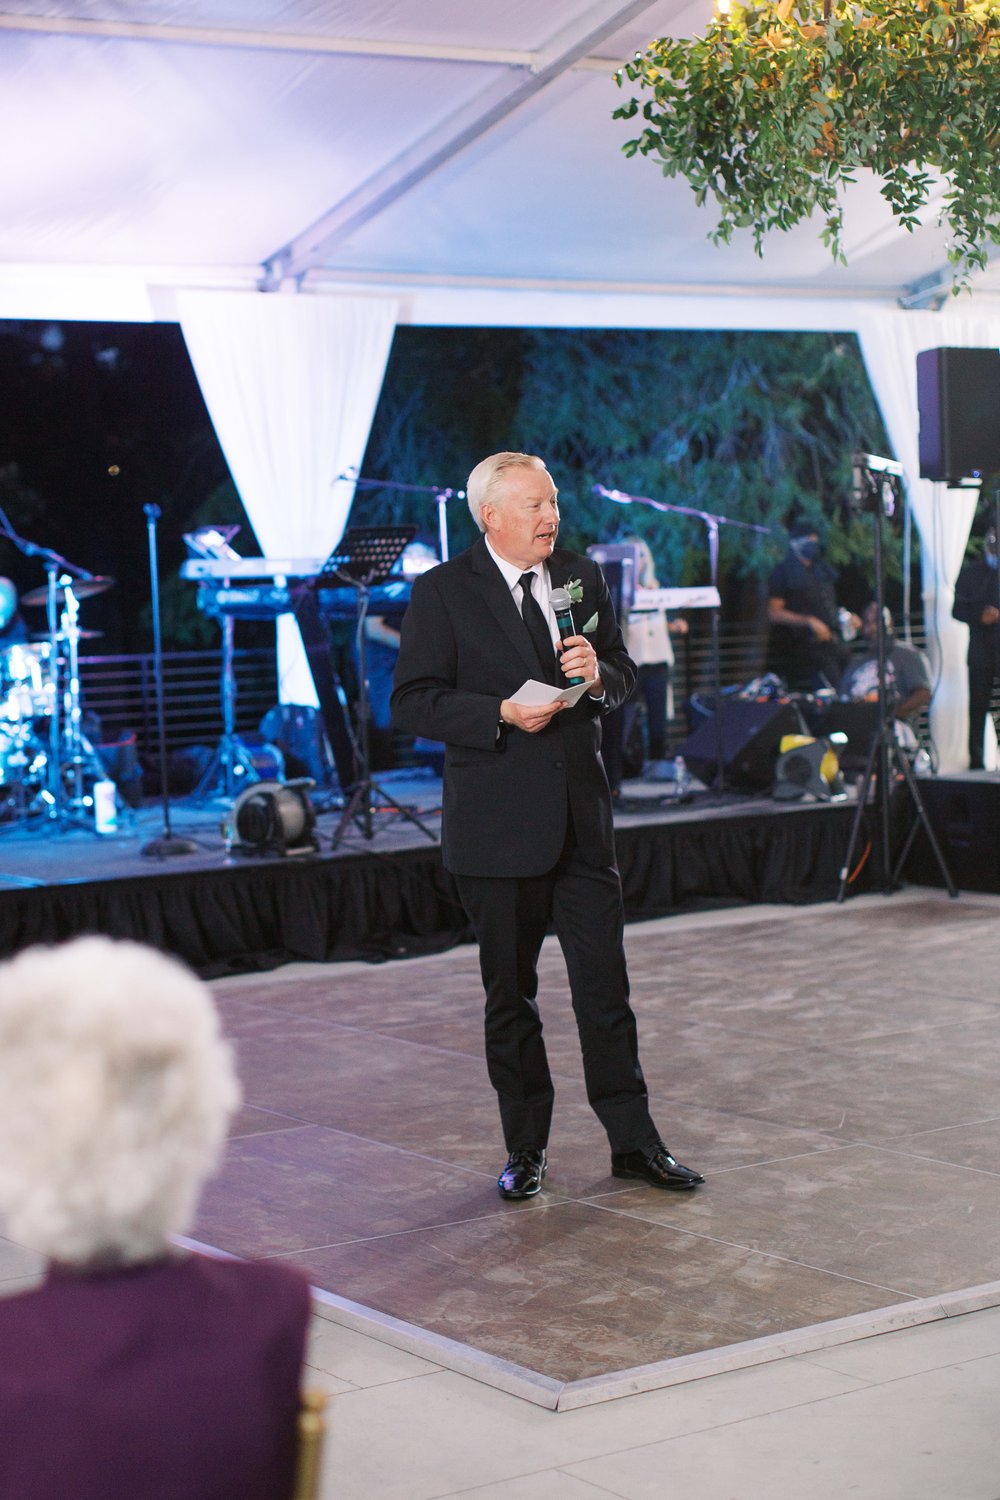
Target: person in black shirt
x=977 y=604
x=806 y=648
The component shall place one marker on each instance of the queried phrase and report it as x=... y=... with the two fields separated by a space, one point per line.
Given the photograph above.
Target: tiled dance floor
x=833 y=1071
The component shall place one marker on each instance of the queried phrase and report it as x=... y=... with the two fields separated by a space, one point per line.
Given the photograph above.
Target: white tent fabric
x=890 y=344
x=207 y=143
x=291 y=384
x=460 y=160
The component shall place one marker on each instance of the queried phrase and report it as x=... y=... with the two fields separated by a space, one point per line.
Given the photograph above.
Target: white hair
x=487 y=477
x=116 y=1089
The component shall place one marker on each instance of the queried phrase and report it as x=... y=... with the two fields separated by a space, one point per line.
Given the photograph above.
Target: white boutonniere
x=574 y=589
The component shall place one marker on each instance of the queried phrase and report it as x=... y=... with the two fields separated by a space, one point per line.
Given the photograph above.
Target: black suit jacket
x=464 y=649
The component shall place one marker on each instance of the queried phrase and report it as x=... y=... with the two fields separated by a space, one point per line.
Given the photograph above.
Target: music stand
x=364 y=557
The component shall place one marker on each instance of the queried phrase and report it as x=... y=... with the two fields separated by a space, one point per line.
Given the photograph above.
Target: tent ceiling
x=245 y=142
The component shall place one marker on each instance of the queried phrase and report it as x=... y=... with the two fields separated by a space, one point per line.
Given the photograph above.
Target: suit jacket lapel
x=561 y=569
x=500 y=600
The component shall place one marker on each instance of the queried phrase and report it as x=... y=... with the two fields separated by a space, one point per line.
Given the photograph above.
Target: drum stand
x=72 y=756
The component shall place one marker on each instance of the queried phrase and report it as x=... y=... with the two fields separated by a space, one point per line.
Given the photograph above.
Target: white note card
x=532 y=694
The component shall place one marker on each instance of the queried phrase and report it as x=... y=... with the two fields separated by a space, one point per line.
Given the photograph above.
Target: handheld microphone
x=562 y=608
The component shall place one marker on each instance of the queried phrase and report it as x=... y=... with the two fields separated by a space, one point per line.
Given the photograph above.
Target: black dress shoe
x=656 y=1166
x=522 y=1176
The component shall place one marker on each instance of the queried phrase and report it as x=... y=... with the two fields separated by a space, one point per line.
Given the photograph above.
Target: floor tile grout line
x=423 y=1156
x=368 y=1140
x=291 y=1128
x=400 y=1234
x=788 y=1260
x=964 y=1125
x=936 y=1161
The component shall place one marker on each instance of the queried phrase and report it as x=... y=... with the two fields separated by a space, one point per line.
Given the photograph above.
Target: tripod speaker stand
x=886 y=758
x=365 y=557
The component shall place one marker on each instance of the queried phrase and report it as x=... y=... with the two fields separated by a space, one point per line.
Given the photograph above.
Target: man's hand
x=990 y=615
x=529 y=718
x=578 y=658
x=820 y=630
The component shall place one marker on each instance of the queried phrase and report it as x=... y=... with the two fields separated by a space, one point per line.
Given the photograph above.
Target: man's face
x=522 y=521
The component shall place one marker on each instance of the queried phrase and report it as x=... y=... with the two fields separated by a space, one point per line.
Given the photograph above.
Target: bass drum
x=27 y=684
x=23 y=764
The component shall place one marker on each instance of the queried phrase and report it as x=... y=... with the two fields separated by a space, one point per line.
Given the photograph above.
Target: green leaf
x=774 y=115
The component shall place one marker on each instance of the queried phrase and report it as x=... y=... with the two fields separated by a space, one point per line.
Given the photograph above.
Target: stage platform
x=388 y=896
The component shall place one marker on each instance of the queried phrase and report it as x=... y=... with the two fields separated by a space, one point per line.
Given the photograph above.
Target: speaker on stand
x=958 y=398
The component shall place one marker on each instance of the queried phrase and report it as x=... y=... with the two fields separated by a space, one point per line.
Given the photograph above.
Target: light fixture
x=808 y=767
x=272 y=817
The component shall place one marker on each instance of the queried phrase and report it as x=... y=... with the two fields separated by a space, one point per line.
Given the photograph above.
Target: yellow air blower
x=808 y=767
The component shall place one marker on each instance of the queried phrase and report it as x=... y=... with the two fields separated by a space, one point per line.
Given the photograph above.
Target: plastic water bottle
x=105 y=807
x=682 y=776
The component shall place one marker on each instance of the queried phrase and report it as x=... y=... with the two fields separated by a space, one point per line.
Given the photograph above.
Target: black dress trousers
x=510 y=917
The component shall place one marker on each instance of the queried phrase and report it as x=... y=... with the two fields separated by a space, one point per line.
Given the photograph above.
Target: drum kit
x=48 y=767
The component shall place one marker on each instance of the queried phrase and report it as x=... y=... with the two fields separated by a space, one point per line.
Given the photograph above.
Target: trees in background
x=97 y=420
x=755 y=426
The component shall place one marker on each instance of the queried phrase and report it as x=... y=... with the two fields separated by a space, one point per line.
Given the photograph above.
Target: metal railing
x=121 y=692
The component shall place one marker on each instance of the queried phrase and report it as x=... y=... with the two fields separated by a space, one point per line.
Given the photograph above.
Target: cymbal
x=85 y=635
x=83 y=588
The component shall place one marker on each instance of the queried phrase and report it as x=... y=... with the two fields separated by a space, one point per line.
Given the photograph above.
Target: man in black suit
x=976 y=605
x=526 y=823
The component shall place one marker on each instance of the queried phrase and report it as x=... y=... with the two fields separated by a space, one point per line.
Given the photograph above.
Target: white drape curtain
x=291 y=383
x=890 y=343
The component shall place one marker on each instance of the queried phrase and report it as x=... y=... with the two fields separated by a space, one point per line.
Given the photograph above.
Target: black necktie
x=538 y=628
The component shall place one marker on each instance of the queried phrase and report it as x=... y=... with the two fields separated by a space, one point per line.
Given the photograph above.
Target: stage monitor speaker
x=958 y=398
x=751 y=734
x=964 y=812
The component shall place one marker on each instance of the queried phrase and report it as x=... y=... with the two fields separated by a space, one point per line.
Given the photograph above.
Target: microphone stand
x=168 y=843
x=711 y=522
x=441 y=496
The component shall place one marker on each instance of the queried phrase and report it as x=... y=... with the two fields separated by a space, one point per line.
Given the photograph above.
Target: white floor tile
x=912 y=1350
x=450 y=1434
x=553 y=1484
x=18 y=1264
x=933 y=1436
x=358 y=1361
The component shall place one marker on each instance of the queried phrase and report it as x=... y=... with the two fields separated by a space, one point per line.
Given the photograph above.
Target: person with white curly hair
x=133 y=1369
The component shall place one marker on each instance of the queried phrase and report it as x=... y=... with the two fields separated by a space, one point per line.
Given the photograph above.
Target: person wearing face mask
x=806 y=647
x=977 y=604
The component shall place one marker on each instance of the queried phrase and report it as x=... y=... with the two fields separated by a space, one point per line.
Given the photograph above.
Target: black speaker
x=958 y=397
x=964 y=812
x=751 y=733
